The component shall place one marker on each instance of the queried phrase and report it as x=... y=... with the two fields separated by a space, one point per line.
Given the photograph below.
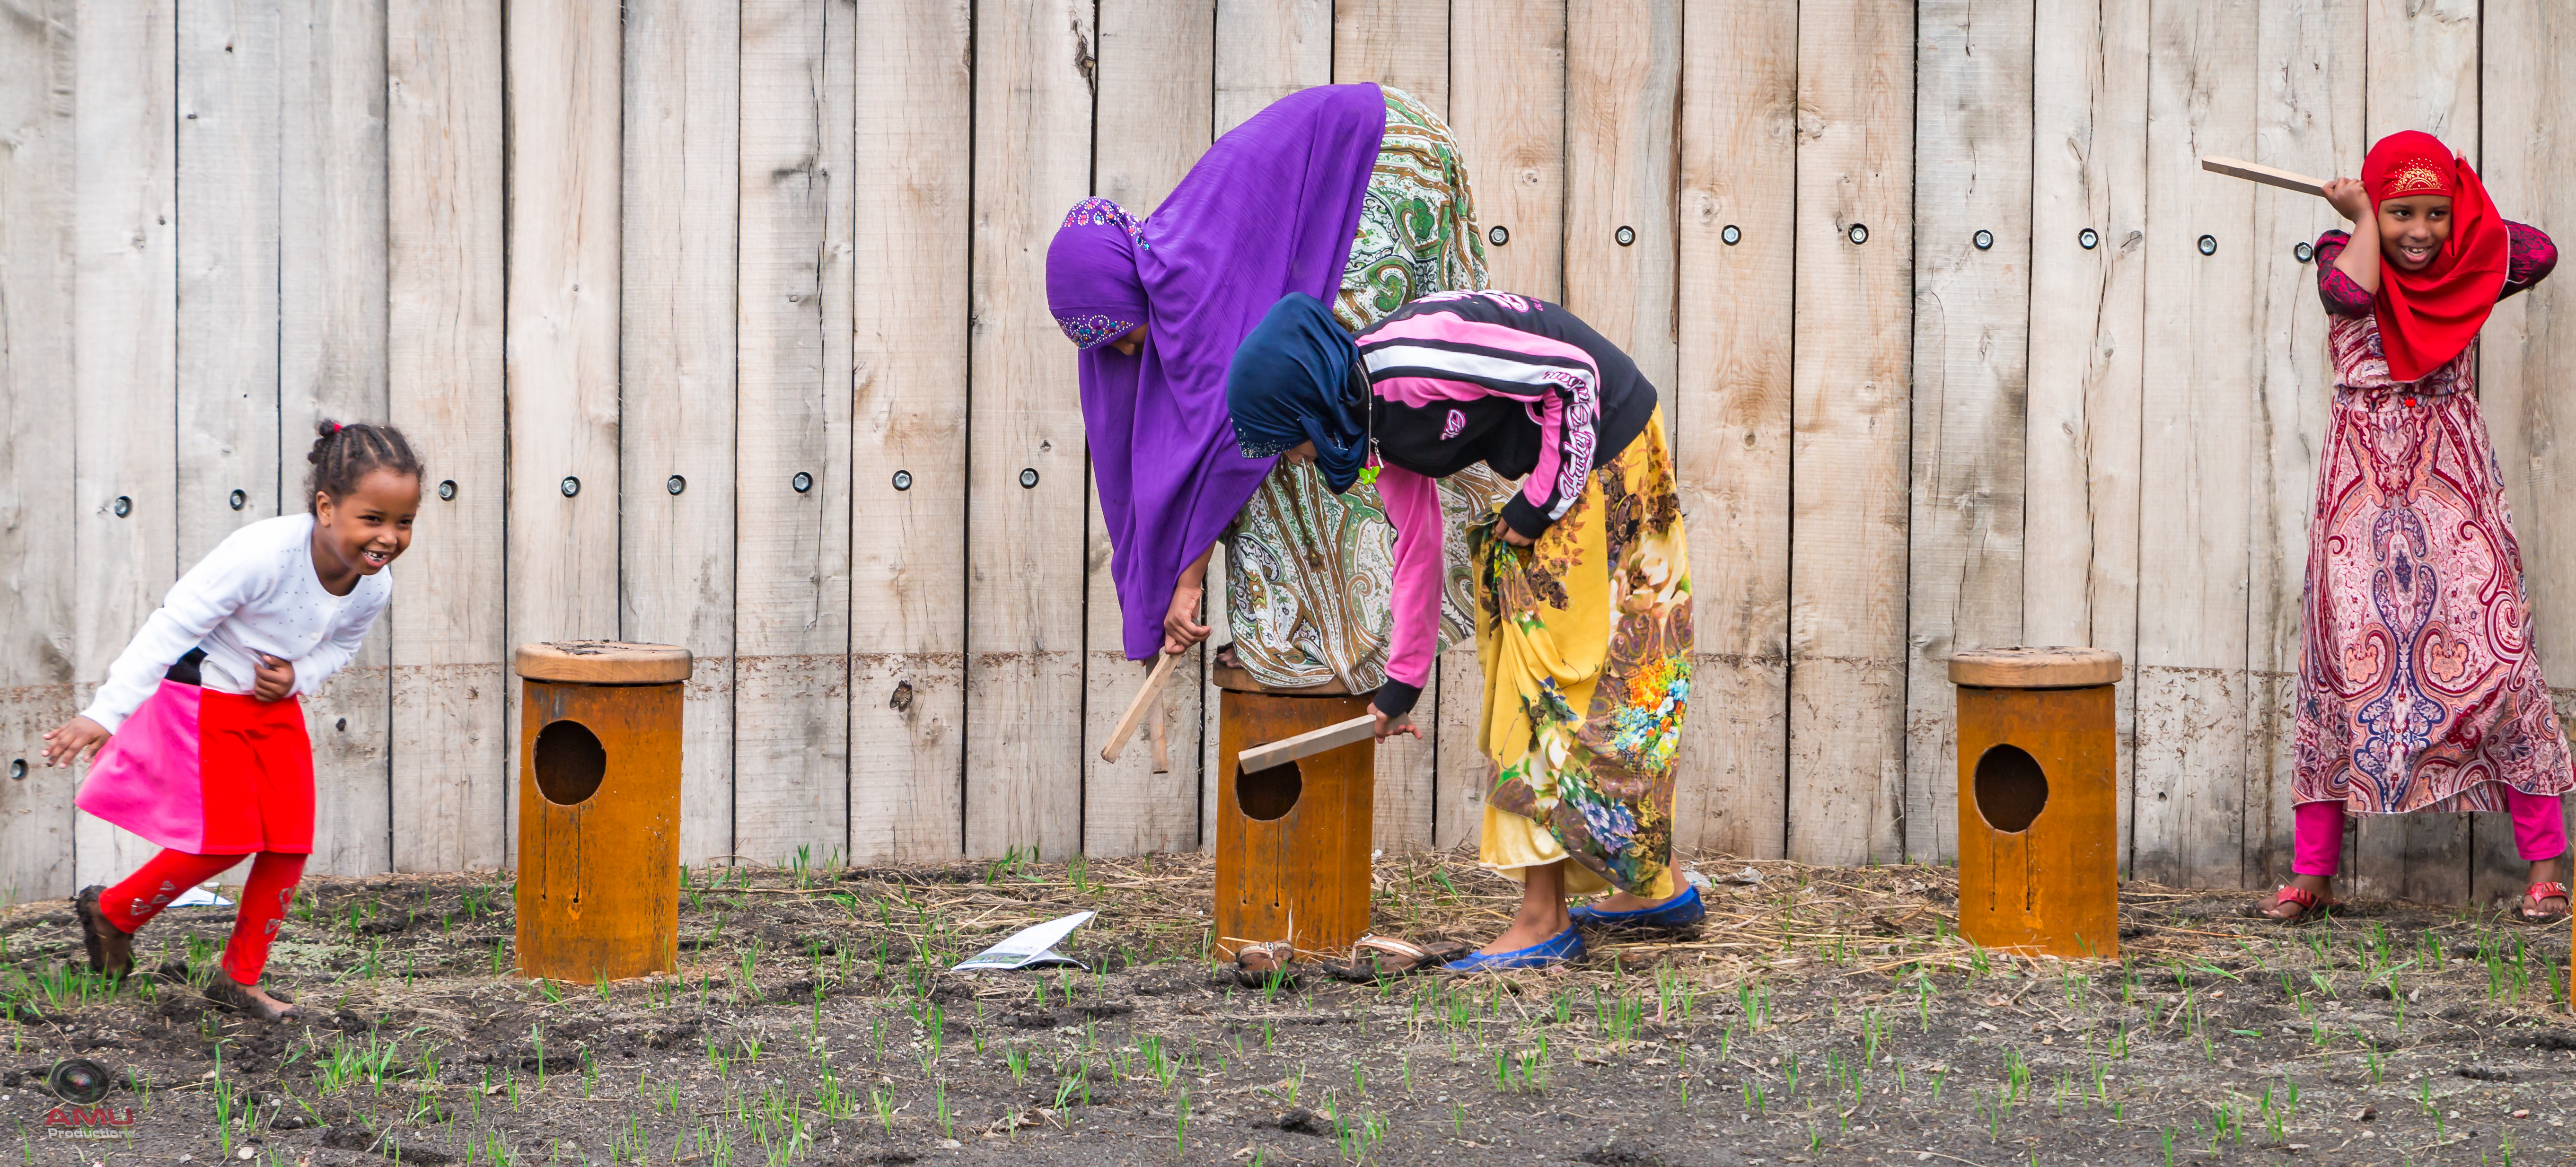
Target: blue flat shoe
x=1558 y=949
x=1681 y=911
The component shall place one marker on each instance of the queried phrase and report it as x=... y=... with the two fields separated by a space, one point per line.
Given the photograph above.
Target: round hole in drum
x=570 y=763
x=1268 y=794
x=2011 y=789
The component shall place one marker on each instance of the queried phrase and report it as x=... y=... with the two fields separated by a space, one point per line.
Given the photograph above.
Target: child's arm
x=216 y=587
x=1181 y=627
x=2337 y=291
x=2360 y=259
x=2529 y=257
x=1413 y=636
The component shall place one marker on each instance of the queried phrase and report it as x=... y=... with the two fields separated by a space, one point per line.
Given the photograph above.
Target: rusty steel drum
x=1292 y=842
x=2039 y=800
x=599 y=809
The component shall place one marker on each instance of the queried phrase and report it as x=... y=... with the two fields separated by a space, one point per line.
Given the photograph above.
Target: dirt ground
x=1822 y=1016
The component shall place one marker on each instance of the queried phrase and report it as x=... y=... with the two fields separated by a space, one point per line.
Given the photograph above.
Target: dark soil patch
x=1823 y=1016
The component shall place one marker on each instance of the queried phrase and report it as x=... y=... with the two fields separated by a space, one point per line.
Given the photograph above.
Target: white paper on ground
x=201 y=897
x=1030 y=947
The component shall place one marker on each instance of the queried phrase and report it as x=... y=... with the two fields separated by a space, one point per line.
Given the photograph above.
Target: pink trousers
x=2539 y=832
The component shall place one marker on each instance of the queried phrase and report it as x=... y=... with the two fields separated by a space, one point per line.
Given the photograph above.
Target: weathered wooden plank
x=791 y=716
x=125 y=354
x=2527 y=354
x=2081 y=506
x=1972 y=199
x=563 y=69
x=1407 y=773
x=1131 y=806
x=331 y=364
x=1157 y=102
x=2193 y=689
x=1211 y=701
x=1507 y=77
x=1156 y=59
x=1402 y=44
x=1266 y=50
x=228 y=270
x=2308 y=119
x=451 y=774
x=1850 y=378
x=1025 y=558
x=908 y=436
x=676 y=379
x=1623 y=100
x=36 y=815
x=2423 y=64
x=1731 y=417
x=1402 y=815
x=1263 y=52
x=1463 y=774
x=2423 y=71
x=2429 y=58
x=1623 y=61
x=36 y=495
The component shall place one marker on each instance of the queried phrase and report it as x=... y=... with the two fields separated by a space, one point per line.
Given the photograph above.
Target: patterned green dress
x=1309 y=574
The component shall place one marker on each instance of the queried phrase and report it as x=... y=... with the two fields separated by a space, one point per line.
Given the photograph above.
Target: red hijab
x=2426 y=317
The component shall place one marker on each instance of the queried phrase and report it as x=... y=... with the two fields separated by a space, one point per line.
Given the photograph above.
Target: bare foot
x=2546 y=871
x=2281 y=909
x=1541 y=917
x=1258 y=965
x=249 y=1000
x=111 y=951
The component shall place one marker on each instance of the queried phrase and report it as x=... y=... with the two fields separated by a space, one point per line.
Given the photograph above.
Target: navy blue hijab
x=1291 y=382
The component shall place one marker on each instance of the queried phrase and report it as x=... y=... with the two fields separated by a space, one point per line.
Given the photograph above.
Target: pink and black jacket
x=1514 y=382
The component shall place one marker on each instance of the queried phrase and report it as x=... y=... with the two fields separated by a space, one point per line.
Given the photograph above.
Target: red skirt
x=208 y=773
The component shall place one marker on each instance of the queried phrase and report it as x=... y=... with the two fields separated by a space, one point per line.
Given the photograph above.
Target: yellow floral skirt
x=1585 y=639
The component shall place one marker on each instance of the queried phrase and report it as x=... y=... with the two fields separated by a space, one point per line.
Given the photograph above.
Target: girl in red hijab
x=2418 y=690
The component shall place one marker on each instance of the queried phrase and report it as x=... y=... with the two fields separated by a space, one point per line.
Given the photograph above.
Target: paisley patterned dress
x=2418 y=689
x=1308 y=573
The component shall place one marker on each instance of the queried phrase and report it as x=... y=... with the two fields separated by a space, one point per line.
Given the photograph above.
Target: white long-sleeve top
x=255 y=593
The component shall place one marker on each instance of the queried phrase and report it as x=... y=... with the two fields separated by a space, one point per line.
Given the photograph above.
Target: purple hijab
x=1269 y=210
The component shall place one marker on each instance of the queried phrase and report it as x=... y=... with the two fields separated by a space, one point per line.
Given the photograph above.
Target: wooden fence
x=1958 y=347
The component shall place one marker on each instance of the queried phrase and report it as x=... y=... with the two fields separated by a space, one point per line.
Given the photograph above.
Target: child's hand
x=276 y=679
x=2349 y=198
x=1181 y=627
x=1513 y=537
x=74 y=742
x=1387 y=727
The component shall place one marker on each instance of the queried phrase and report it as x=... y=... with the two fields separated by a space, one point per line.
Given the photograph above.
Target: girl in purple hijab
x=1352 y=194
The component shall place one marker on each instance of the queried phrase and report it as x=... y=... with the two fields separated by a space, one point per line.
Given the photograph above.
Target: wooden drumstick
x=2267 y=175
x=1137 y=708
x=1307 y=744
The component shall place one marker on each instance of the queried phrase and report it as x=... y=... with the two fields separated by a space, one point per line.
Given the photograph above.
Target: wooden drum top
x=2035 y=668
x=603 y=662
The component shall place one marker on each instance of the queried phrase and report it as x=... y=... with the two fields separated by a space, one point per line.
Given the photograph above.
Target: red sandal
x=2536 y=893
x=2312 y=905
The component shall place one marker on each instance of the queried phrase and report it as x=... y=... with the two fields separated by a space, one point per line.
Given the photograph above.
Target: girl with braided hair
x=199 y=729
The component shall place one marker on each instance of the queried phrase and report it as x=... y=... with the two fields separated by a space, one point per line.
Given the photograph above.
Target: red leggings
x=264 y=900
x=2316 y=832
